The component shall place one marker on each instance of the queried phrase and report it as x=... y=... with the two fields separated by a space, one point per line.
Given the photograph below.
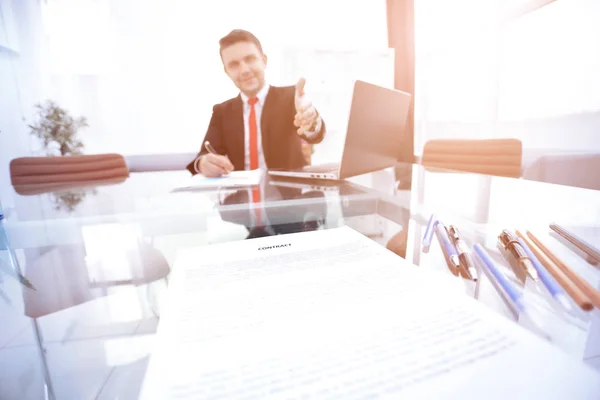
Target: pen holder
x=472 y=287
x=568 y=330
x=477 y=285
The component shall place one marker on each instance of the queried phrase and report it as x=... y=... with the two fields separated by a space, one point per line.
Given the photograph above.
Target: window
x=533 y=78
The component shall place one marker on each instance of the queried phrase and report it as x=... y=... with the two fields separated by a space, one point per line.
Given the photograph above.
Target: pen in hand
x=210 y=149
x=221 y=161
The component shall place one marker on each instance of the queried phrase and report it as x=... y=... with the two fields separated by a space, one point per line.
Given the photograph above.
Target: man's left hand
x=307 y=117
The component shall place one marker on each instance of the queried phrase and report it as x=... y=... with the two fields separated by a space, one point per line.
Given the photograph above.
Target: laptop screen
x=377 y=130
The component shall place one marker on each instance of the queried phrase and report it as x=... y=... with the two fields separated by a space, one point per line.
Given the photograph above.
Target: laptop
x=304 y=184
x=374 y=139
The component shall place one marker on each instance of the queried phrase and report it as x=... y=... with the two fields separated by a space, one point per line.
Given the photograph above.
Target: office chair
x=500 y=157
x=34 y=175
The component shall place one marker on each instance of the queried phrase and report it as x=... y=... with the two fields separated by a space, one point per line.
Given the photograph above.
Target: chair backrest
x=68 y=169
x=501 y=157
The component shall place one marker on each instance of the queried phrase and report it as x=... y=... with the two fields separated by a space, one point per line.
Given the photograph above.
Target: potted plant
x=58 y=129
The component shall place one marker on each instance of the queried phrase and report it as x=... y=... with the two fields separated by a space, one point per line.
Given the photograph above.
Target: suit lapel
x=267 y=119
x=237 y=128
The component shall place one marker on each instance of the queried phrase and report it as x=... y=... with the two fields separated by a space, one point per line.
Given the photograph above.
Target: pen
x=580 y=243
x=429 y=233
x=212 y=150
x=553 y=287
x=593 y=294
x=516 y=256
x=464 y=255
x=448 y=248
x=515 y=298
x=580 y=298
x=209 y=148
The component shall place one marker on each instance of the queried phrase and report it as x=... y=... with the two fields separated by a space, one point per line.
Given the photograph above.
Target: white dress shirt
x=258 y=107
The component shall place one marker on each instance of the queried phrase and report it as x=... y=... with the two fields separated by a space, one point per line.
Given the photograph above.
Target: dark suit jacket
x=280 y=140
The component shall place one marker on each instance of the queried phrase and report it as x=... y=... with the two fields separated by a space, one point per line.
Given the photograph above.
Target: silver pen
x=464 y=255
x=209 y=148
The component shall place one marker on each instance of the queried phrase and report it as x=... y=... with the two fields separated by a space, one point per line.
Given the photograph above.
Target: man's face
x=245 y=64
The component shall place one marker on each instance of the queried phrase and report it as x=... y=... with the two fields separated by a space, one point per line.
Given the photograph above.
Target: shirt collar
x=261 y=95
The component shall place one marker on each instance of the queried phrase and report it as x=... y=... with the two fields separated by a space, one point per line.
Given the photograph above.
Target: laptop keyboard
x=330 y=167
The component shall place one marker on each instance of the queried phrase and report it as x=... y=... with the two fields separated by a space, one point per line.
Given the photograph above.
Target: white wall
x=147 y=73
x=12 y=132
x=21 y=84
x=8 y=30
x=550 y=77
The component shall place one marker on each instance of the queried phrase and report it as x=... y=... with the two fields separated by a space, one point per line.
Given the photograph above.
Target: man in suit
x=264 y=126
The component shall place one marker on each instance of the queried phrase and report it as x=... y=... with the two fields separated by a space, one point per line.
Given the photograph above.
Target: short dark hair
x=236 y=36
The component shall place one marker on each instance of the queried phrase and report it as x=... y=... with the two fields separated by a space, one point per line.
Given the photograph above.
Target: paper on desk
x=331 y=314
x=233 y=179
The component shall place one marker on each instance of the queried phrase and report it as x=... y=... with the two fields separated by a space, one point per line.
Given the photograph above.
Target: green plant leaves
x=57 y=129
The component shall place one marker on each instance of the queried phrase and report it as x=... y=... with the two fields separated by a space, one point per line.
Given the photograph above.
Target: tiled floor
x=21 y=374
x=125 y=382
x=110 y=367
x=98 y=349
x=14 y=323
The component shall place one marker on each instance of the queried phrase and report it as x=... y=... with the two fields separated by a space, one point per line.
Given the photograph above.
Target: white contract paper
x=330 y=314
x=231 y=180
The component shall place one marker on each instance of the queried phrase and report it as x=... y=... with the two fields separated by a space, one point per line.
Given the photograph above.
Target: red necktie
x=253 y=134
x=254 y=155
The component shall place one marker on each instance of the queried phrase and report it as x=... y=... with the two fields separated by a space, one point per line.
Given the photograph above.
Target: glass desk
x=99 y=259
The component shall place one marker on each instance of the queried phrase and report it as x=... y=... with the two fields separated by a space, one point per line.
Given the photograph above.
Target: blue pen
x=549 y=282
x=429 y=233
x=448 y=247
x=515 y=296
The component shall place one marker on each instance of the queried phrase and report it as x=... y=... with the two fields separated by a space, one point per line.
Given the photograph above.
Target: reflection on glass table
x=101 y=270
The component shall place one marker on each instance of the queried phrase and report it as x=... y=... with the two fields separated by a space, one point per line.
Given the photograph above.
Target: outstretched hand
x=306 y=115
